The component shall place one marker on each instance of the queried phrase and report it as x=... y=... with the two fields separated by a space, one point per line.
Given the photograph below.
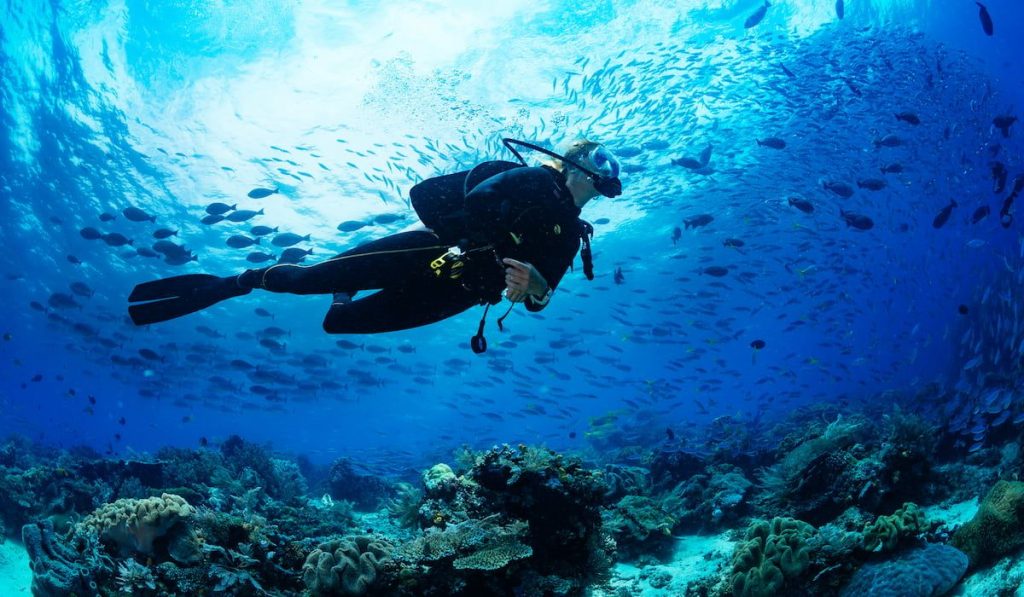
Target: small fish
x=263 y=312
x=385 y=219
x=853 y=87
x=688 y=163
x=801 y=204
x=150 y=355
x=271 y=344
x=351 y=225
x=288 y=239
x=909 y=118
x=135 y=214
x=82 y=289
x=840 y=188
x=858 y=221
x=999 y=174
x=237 y=241
x=705 y=154
x=115 y=239
x=163 y=233
x=73 y=260
x=986 y=19
x=893 y=168
x=259 y=257
x=1003 y=123
x=260 y=193
x=773 y=142
x=698 y=221
x=757 y=16
x=212 y=219
x=975 y=243
x=733 y=242
x=980 y=214
x=262 y=230
x=90 y=234
x=601 y=221
x=619 y=277
x=107 y=217
x=871 y=184
x=294 y=255
x=757 y=344
x=677 y=233
x=219 y=209
x=943 y=216
x=243 y=215
x=788 y=72
x=840 y=9
x=715 y=270
x=888 y=141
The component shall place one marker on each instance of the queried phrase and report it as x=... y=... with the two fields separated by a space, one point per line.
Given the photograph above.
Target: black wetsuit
x=524 y=213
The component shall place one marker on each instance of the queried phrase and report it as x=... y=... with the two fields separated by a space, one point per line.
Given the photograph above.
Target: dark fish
x=164 y=233
x=237 y=241
x=677 y=233
x=219 y=209
x=705 y=154
x=601 y=221
x=888 y=141
x=242 y=215
x=262 y=230
x=294 y=255
x=698 y=221
x=773 y=142
x=258 y=257
x=840 y=9
x=757 y=344
x=629 y=151
x=688 y=163
x=909 y=118
x=167 y=247
x=351 y=225
x=150 y=355
x=801 y=204
x=715 y=270
x=60 y=300
x=385 y=219
x=115 y=239
x=90 y=234
x=986 y=19
x=655 y=144
x=858 y=221
x=1003 y=123
x=347 y=345
x=733 y=242
x=1005 y=217
x=137 y=215
x=962 y=309
x=619 y=277
x=263 y=312
x=893 y=168
x=871 y=184
x=840 y=188
x=980 y=214
x=38 y=306
x=82 y=289
x=788 y=72
x=999 y=174
x=107 y=217
x=73 y=260
x=853 y=88
x=260 y=193
x=212 y=219
x=757 y=17
x=271 y=344
x=288 y=239
x=180 y=259
x=941 y=219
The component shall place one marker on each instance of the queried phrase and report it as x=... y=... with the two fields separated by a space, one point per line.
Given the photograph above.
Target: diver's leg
x=401 y=308
x=384 y=262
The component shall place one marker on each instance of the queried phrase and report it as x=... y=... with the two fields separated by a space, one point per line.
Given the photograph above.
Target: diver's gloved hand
x=522 y=279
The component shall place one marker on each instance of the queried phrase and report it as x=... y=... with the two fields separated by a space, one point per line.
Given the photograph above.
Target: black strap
x=586 y=254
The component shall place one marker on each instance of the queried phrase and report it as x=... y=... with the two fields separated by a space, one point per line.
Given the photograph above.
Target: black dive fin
x=179 y=296
x=169 y=287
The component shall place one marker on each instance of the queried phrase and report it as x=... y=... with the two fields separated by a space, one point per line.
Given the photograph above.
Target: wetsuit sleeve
x=553 y=267
x=495 y=205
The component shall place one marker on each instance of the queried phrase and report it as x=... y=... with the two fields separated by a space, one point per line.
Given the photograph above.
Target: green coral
x=997 y=528
x=885 y=533
x=348 y=566
x=474 y=544
x=771 y=553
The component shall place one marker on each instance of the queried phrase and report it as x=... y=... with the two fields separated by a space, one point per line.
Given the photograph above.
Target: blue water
x=171 y=106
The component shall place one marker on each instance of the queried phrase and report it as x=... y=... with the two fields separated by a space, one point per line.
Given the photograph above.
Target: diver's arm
x=552 y=275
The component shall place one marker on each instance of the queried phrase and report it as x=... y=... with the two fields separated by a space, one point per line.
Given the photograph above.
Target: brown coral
x=133 y=524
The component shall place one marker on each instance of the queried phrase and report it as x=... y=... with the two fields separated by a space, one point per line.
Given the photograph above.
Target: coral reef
x=639 y=526
x=772 y=553
x=924 y=572
x=997 y=528
x=347 y=566
x=366 y=492
x=133 y=525
x=886 y=532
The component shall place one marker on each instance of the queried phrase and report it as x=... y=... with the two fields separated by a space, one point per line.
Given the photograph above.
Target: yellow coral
x=135 y=523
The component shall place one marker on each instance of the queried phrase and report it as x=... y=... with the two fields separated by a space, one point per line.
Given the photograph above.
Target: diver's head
x=592 y=156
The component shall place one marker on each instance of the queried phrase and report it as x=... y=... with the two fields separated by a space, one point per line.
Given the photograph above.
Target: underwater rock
x=364 y=491
x=923 y=572
x=710 y=500
x=639 y=526
x=622 y=480
x=997 y=528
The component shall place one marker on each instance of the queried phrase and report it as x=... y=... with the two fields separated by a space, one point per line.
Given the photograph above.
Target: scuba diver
x=501 y=226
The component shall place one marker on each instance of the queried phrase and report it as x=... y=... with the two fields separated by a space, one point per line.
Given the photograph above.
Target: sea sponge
x=997 y=528
x=133 y=524
x=348 y=566
x=885 y=533
x=771 y=553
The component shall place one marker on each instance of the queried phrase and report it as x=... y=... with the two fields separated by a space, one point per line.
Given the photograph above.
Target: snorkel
x=608 y=184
